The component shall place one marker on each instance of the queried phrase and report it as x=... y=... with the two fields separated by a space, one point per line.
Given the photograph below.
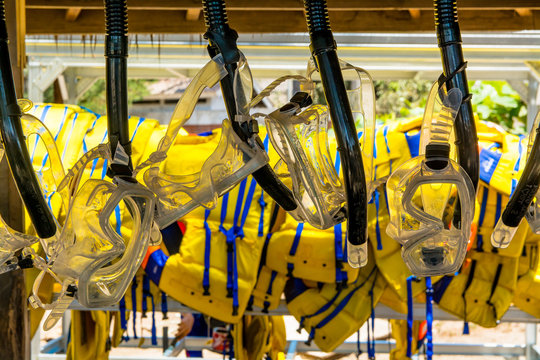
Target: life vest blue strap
x=410 y=279
x=294 y=247
x=164 y=306
x=483 y=206
x=145 y=294
x=207 y=250
x=134 y=305
x=376 y=198
x=371 y=328
x=123 y=321
x=339 y=306
x=262 y=203
x=429 y=318
x=338 y=251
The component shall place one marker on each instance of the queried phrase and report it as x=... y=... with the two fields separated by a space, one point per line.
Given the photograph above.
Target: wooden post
x=14 y=327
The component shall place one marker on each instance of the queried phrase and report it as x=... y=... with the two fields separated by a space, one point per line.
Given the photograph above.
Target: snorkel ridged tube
x=521 y=199
x=323 y=49
x=14 y=143
x=116 y=53
x=222 y=40
x=449 y=40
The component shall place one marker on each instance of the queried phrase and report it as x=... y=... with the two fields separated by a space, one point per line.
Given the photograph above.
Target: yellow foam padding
x=388 y=259
x=182 y=276
x=399 y=334
x=485 y=228
x=349 y=319
x=315 y=256
x=117 y=331
x=257 y=336
x=89 y=335
x=154 y=291
x=267 y=292
x=486 y=299
x=391 y=151
x=237 y=332
x=391 y=299
x=278 y=341
x=527 y=295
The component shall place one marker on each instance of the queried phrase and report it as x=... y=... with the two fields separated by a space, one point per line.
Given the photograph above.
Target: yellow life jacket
x=395 y=144
x=89 y=335
x=77 y=130
x=216 y=268
x=399 y=334
x=257 y=336
x=527 y=294
x=486 y=283
x=329 y=314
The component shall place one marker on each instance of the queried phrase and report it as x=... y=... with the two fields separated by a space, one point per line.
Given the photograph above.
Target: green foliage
x=496 y=101
x=95 y=99
x=493 y=101
x=400 y=99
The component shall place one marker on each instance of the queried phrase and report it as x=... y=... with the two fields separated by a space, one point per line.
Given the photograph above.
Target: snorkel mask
x=522 y=202
x=236 y=87
x=419 y=192
x=301 y=139
x=355 y=180
x=49 y=172
x=16 y=128
x=93 y=260
x=232 y=161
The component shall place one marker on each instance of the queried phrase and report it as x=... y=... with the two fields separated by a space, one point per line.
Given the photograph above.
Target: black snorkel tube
x=222 y=40
x=455 y=76
x=520 y=201
x=15 y=143
x=116 y=53
x=323 y=49
x=526 y=188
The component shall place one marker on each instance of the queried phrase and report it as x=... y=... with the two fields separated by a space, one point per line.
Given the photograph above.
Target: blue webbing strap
x=429 y=318
x=338 y=247
x=518 y=162
x=164 y=306
x=147 y=294
x=483 y=205
x=410 y=279
x=262 y=203
x=207 y=249
x=294 y=247
x=338 y=308
x=376 y=198
x=134 y=305
x=123 y=321
x=341 y=254
x=371 y=340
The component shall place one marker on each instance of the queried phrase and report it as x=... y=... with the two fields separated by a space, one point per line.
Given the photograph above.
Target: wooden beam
x=72 y=14
x=291 y=5
x=193 y=14
x=524 y=12
x=415 y=13
x=14 y=324
x=92 y=22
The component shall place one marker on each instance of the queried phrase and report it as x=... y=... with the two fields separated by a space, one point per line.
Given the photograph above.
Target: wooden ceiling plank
x=290 y=5
x=92 y=22
x=193 y=14
x=72 y=14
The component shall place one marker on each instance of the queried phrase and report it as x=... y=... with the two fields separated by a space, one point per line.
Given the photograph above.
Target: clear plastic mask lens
x=232 y=161
x=92 y=256
x=301 y=140
x=423 y=193
x=533 y=214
